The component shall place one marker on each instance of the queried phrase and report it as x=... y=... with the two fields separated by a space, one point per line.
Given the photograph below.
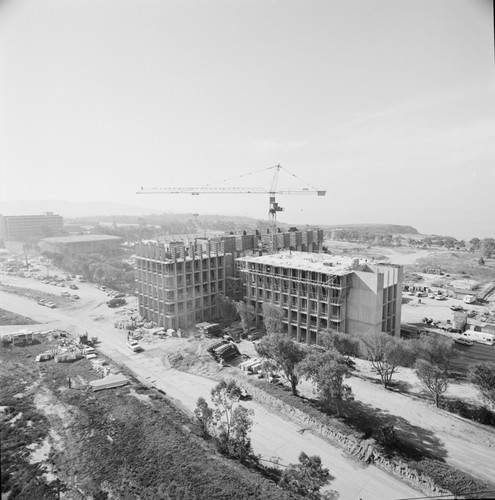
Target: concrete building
x=318 y=291
x=177 y=285
x=73 y=245
x=177 y=282
x=20 y=227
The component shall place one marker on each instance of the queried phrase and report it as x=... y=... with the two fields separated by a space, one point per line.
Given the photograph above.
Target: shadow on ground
x=413 y=441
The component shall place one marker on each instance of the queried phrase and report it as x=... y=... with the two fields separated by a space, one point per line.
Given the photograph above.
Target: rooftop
x=317 y=262
x=81 y=238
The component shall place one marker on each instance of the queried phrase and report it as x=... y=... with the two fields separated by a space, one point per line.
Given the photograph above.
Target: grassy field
x=10 y=318
x=128 y=442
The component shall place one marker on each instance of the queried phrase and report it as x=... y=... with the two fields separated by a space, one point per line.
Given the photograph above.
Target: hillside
x=374 y=228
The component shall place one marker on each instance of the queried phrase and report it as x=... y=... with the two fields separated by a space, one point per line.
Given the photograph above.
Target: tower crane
x=274 y=207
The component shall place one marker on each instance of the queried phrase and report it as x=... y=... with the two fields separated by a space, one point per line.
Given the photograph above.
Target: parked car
x=73 y=287
x=456 y=307
x=75 y=297
x=440 y=297
x=51 y=305
x=462 y=341
x=65 y=294
x=116 y=302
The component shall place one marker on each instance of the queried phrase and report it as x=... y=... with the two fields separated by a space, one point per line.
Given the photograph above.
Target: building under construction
x=318 y=291
x=177 y=282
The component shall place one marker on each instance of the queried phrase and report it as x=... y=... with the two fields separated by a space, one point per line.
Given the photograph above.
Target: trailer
x=479 y=337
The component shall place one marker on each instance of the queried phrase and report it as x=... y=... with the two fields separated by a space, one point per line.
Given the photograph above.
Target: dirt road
x=271 y=435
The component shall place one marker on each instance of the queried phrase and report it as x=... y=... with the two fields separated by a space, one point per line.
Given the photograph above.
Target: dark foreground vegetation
x=128 y=442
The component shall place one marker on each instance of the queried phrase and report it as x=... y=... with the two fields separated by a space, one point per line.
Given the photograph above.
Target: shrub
x=480 y=414
x=454 y=480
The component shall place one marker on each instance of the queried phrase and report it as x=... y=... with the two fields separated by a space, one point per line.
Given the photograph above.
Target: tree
x=285 y=353
x=226 y=308
x=386 y=354
x=327 y=371
x=204 y=414
x=487 y=247
x=475 y=243
x=482 y=375
x=247 y=314
x=273 y=316
x=233 y=424
x=481 y=262
x=239 y=445
x=346 y=344
x=433 y=377
x=306 y=477
x=229 y=424
x=436 y=350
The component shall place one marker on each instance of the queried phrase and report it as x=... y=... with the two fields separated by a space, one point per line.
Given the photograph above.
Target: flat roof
x=307 y=261
x=81 y=238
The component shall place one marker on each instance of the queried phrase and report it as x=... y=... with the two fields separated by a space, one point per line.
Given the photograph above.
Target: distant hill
x=68 y=209
x=374 y=228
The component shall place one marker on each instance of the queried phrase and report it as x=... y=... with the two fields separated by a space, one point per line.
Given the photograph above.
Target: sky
x=388 y=105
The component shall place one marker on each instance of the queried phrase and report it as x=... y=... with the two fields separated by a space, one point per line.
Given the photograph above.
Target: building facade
x=21 y=227
x=318 y=291
x=74 y=245
x=177 y=285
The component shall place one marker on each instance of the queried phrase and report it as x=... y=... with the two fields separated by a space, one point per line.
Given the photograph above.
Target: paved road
x=272 y=435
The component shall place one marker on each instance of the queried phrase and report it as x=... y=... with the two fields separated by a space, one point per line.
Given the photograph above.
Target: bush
x=479 y=414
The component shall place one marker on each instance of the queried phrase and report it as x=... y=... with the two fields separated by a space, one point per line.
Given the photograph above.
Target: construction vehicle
x=274 y=207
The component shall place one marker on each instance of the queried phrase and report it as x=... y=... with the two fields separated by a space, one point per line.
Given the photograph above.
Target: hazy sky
x=389 y=105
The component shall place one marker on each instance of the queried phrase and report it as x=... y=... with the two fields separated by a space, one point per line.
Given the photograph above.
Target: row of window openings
x=181 y=294
x=179 y=267
x=283 y=298
x=266 y=282
x=173 y=281
x=294 y=273
x=182 y=307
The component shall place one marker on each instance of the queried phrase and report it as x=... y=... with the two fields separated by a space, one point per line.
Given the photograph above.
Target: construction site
x=178 y=281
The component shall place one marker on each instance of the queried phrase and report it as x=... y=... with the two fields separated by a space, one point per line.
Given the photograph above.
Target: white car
x=134 y=345
x=440 y=297
x=463 y=341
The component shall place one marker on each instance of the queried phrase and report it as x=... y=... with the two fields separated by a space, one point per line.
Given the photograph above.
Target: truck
x=469 y=299
x=479 y=337
x=134 y=345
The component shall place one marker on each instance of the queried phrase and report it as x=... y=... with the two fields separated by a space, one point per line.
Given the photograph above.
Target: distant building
x=21 y=227
x=73 y=245
x=318 y=291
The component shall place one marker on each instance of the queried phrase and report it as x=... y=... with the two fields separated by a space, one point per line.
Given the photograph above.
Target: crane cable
x=258 y=171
